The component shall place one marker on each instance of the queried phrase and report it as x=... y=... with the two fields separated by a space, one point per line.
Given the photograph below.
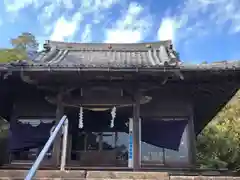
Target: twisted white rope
x=113 y=113
x=80 y=122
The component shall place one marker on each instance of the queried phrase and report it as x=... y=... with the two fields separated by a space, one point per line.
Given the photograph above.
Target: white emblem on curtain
x=35 y=122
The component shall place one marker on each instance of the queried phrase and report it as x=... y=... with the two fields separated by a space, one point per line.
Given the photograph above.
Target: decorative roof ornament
x=46 y=46
x=113 y=113
x=109 y=46
x=32 y=55
x=148 y=45
x=80 y=122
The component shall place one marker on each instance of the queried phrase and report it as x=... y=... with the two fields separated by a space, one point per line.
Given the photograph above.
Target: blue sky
x=201 y=30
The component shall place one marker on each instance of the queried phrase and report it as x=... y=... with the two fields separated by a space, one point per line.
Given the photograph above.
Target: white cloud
x=133 y=26
x=67 y=4
x=46 y=7
x=86 y=35
x=64 y=29
x=192 y=19
x=17 y=5
x=125 y=36
x=47 y=12
x=90 y=6
x=96 y=8
x=87 y=8
x=197 y=18
x=41 y=40
x=167 y=29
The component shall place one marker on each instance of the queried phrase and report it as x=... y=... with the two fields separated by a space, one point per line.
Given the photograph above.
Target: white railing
x=63 y=122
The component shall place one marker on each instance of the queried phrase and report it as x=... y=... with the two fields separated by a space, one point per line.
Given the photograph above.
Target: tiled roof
x=155 y=56
x=109 y=55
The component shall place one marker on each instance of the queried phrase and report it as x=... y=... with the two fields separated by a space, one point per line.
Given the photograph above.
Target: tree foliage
x=219 y=144
x=24 y=43
x=7 y=55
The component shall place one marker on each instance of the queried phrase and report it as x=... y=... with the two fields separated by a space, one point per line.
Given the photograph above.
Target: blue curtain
x=165 y=134
x=25 y=136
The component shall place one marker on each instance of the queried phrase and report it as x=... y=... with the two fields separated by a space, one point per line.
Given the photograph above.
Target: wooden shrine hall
x=128 y=105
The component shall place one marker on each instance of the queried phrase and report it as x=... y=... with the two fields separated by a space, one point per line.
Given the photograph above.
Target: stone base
x=103 y=175
x=127 y=175
x=203 y=178
x=42 y=174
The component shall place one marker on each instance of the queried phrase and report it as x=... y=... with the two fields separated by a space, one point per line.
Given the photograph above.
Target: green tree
x=22 y=45
x=219 y=144
x=26 y=41
x=7 y=55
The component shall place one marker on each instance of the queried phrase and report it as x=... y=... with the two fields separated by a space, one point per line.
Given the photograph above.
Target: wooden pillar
x=100 y=143
x=115 y=139
x=69 y=151
x=136 y=132
x=191 y=139
x=57 y=142
x=85 y=142
x=13 y=118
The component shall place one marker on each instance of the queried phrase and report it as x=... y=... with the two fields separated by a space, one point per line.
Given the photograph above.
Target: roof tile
x=119 y=55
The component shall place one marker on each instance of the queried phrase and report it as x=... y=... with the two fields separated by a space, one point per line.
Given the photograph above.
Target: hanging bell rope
x=80 y=122
x=113 y=113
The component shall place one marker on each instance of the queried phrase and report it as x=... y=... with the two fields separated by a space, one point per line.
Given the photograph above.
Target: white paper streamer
x=113 y=113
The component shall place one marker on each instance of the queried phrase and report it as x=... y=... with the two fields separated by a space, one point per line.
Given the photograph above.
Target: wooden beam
x=94 y=100
x=101 y=100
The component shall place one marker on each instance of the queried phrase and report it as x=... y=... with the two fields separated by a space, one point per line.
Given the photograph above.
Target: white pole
x=130 y=146
x=64 y=145
x=140 y=139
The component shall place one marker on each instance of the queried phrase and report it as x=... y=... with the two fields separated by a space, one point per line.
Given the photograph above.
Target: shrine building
x=128 y=105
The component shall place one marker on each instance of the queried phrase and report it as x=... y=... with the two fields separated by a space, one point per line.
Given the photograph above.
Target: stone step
x=103 y=175
x=42 y=174
x=127 y=175
x=82 y=175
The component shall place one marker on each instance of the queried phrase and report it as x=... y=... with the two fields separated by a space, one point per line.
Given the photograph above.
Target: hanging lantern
x=113 y=113
x=80 y=122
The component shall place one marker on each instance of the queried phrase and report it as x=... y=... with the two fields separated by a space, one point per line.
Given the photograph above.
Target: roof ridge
x=77 y=43
x=107 y=46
